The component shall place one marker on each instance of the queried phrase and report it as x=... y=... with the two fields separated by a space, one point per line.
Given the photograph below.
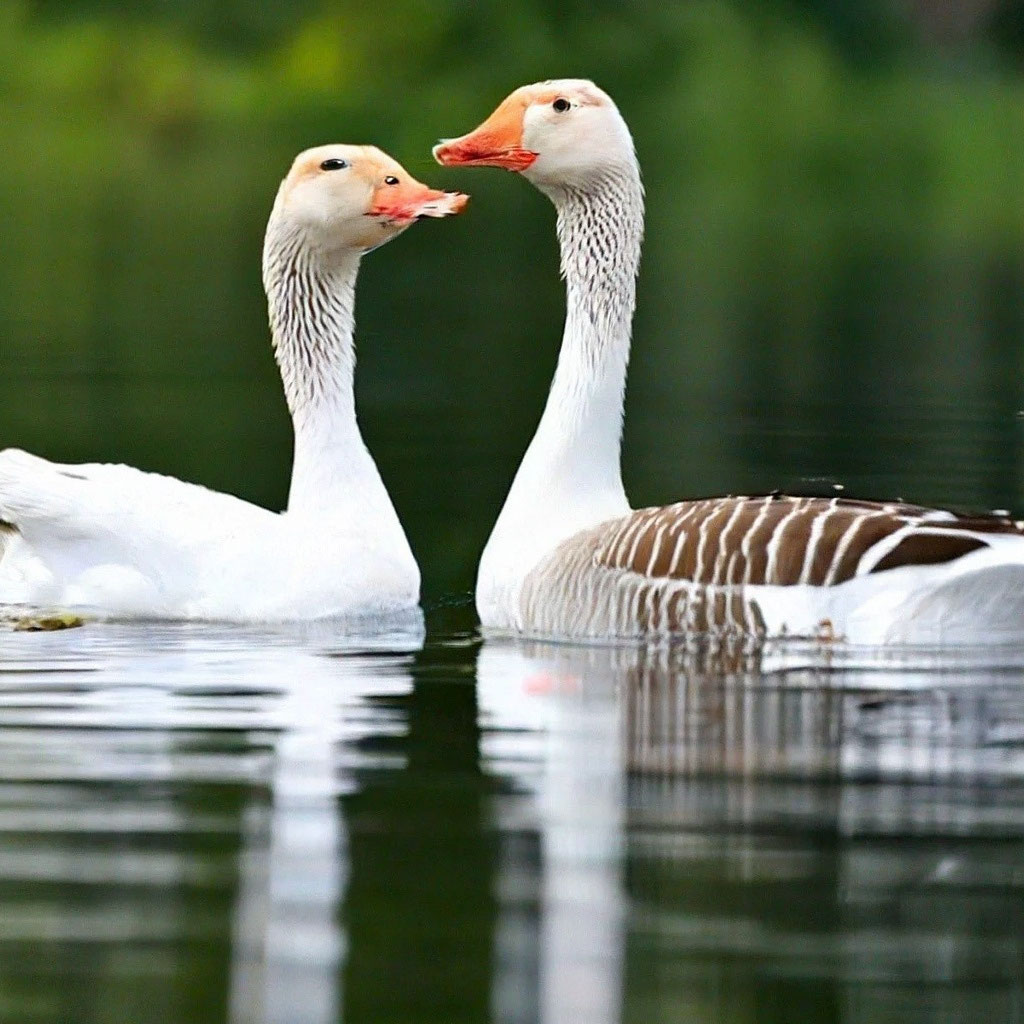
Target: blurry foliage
x=834 y=214
x=722 y=91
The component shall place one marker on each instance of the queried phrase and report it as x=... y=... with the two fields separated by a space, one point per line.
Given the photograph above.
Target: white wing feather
x=149 y=537
x=114 y=507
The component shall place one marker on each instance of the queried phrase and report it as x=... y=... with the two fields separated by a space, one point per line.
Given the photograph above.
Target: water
x=214 y=824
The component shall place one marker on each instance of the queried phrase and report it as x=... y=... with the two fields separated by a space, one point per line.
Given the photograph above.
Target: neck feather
x=576 y=450
x=311 y=300
x=600 y=230
x=570 y=477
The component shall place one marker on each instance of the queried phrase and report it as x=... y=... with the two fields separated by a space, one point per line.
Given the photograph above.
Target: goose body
x=773 y=566
x=116 y=541
x=569 y=558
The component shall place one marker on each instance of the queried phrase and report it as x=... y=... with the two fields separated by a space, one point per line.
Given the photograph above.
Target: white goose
x=119 y=542
x=568 y=557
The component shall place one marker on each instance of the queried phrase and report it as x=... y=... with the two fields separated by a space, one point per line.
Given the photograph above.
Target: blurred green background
x=833 y=281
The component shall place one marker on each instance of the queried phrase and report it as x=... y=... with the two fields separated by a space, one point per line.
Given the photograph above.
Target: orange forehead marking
x=506 y=123
x=508 y=116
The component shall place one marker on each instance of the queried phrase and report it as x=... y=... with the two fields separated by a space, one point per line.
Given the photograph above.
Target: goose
x=122 y=543
x=568 y=557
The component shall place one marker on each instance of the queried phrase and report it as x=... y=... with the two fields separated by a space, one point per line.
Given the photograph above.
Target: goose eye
x=335 y=163
x=561 y=105
x=390 y=180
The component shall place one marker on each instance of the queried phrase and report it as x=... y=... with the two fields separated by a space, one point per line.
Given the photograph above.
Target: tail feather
x=30 y=487
x=984 y=605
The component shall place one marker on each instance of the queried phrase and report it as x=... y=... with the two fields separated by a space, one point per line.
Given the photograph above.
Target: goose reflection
x=716 y=826
x=271 y=827
x=170 y=809
x=552 y=728
x=289 y=948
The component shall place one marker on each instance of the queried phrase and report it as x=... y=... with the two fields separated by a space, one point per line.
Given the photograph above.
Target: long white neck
x=570 y=477
x=578 y=442
x=311 y=299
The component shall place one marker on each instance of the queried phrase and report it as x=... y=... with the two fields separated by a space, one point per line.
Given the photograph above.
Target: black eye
x=334 y=164
x=561 y=105
x=390 y=180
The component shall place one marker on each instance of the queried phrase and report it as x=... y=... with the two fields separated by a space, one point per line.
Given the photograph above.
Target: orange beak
x=411 y=200
x=498 y=142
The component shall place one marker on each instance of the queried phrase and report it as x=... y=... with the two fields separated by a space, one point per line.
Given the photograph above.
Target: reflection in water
x=287 y=945
x=796 y=834
x=140 y=766
x=555 y=730
x=204 y=825
x=419 y=908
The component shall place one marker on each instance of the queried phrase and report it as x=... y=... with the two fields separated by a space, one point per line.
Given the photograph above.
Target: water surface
x=217 y=824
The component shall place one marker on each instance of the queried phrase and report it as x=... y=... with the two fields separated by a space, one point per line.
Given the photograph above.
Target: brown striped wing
x=784 y=541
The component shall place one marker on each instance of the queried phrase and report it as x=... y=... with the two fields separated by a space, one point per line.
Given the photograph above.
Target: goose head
x=561 y=133
x=355 y=198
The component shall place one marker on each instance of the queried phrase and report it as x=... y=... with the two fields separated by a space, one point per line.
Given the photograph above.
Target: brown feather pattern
x=784 y=541
x=687 y=567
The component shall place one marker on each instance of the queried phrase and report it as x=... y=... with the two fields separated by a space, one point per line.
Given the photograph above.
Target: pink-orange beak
x=411 y=199
x=498 y=142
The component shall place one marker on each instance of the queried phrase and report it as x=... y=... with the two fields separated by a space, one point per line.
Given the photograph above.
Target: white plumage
x=568 y=558
x=116 y=541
